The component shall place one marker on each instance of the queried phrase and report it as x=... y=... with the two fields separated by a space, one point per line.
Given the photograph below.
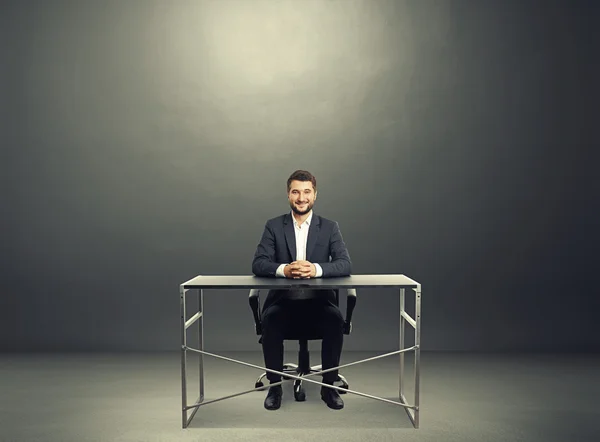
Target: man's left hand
x=304 y=270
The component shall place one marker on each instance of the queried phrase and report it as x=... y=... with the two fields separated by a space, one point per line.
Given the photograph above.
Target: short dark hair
x=302 y=175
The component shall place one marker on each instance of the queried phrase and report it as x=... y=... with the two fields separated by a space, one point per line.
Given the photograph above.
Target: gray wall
x=146 y=142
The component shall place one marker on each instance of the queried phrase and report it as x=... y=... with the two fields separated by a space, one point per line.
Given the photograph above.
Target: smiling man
x=301 y=245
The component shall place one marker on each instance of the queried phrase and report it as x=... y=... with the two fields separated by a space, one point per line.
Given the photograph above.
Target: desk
x=204 y=282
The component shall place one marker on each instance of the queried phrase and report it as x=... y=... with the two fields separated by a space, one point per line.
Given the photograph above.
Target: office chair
x=303 y=367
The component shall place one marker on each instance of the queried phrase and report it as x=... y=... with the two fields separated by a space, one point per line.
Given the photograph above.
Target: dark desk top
x=254 y=282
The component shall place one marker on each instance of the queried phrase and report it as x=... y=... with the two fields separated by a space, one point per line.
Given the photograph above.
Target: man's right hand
x=289 y=271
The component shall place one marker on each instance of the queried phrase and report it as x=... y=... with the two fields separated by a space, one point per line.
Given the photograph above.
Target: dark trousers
x=289 y=319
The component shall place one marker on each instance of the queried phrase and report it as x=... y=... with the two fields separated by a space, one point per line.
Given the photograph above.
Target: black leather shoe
x=273 y=399
x=332 y=398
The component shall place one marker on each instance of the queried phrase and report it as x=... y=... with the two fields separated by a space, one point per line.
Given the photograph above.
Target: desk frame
x=412 y=410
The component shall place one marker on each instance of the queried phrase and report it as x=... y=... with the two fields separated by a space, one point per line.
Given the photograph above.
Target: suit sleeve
x=340 y=264
x=264 y=263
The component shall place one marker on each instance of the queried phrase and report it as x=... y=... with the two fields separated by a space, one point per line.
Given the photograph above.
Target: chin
x=301 y=212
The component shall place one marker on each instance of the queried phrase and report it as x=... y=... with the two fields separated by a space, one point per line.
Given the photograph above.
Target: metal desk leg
x=201 y=344
x=417 y=351
x=402 y=326
x=416 y=324
x=182 y=292
x=185 y=324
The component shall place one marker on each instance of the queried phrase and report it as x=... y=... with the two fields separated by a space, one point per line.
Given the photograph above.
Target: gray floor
x=137 y=397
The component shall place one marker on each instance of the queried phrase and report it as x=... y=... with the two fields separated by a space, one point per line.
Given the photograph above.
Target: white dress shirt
x=301 y=231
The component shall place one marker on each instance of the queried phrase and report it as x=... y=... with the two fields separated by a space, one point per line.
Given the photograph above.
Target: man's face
x=302 y=196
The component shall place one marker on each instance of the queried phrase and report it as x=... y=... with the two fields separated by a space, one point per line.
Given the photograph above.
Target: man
x=301 y=245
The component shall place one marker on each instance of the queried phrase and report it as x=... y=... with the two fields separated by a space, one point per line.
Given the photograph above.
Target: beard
x=297 y=211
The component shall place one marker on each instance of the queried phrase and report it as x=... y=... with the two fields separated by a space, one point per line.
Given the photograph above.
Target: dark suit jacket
x=325 y=246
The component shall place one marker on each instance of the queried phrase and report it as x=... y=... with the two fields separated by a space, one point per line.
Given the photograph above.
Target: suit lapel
x=290 y=236
x=313 y=234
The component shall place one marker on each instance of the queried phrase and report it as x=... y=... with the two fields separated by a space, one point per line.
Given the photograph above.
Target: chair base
x=299 y=394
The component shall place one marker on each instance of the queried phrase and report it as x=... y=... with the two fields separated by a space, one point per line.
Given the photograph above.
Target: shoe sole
x=273 y=407
x=333 y=407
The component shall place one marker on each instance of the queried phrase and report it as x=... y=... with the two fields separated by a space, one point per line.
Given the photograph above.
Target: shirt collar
x=306 y=221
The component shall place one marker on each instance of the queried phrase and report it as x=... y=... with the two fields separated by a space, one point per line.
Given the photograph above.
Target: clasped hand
x=300 y=270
